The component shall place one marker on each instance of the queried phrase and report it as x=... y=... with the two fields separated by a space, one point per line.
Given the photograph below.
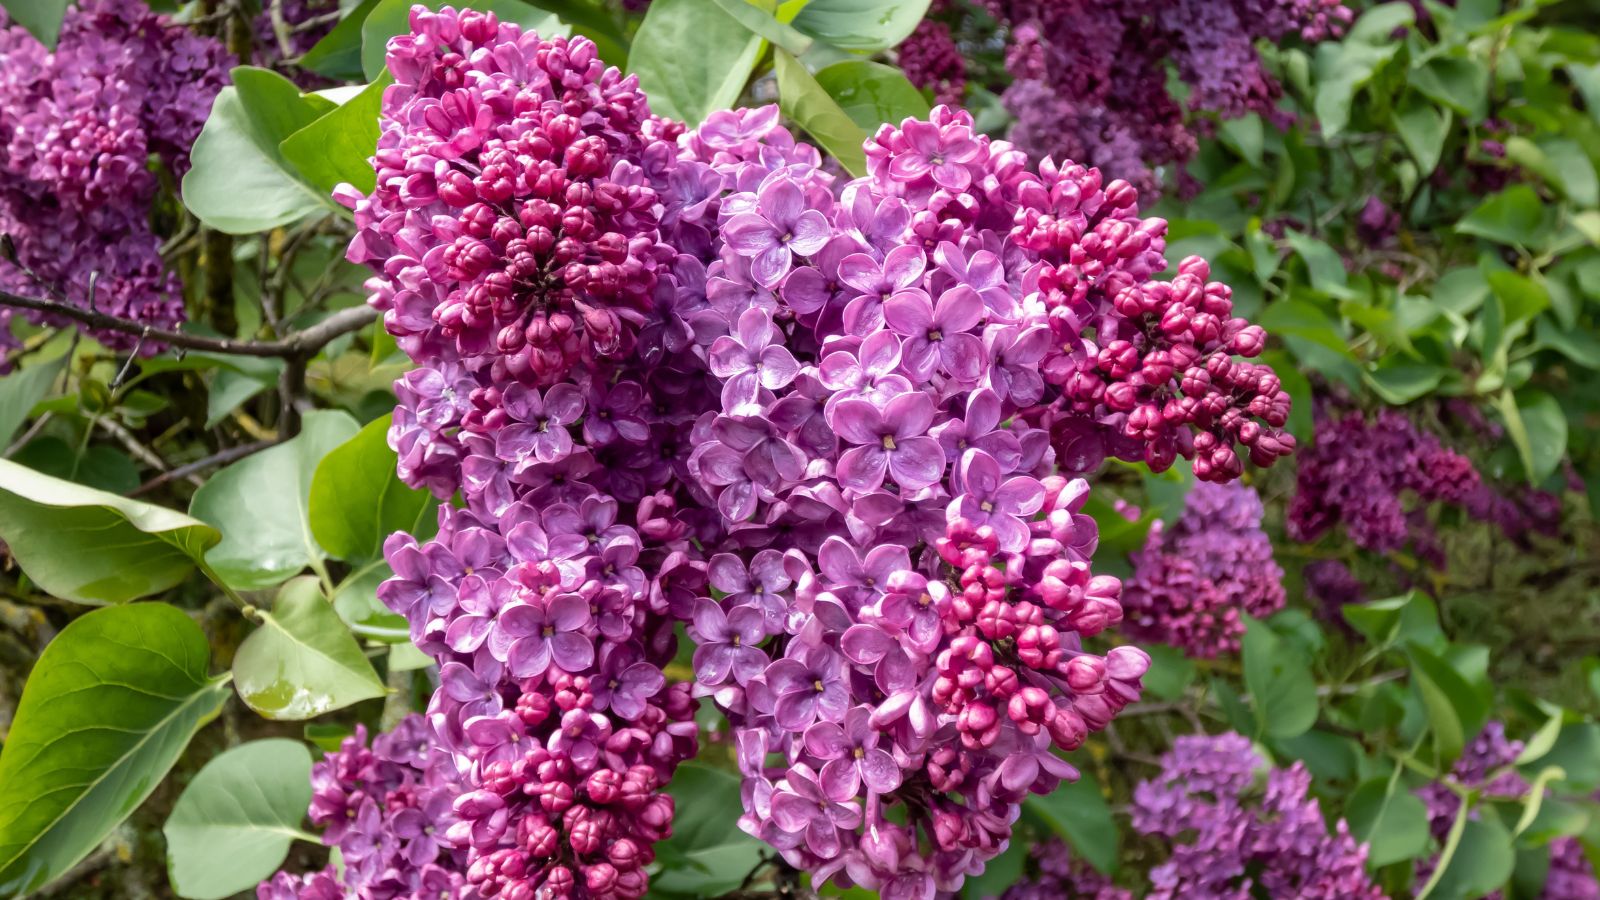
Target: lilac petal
x=861 y=469
x=572 y=652
x=840 y=779
x=712 y=663
x=529 y=657
x=810 y=233
x=879 y=771
x=916 y=463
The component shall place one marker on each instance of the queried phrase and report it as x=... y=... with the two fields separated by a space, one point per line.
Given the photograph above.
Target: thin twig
x=303 y=343
x=222 y=458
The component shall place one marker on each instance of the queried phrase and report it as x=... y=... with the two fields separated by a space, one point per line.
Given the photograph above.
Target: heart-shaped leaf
x=111 y=704
x=302 y=661
x=89 y=546
x=261 y=505
x=233 y=825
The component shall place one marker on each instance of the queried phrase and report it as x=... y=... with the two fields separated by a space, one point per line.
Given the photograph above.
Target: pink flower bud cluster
x=1195 y=581
x=1090 y=77
x=1363 y=475
x=79 y=127
x=1486 y=766
x=516 y=235
x=1227 y=842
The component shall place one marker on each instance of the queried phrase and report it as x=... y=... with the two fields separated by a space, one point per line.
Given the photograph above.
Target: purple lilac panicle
x=79 y=127
x=1227 y=843
x=1359 y=473
x=1090 y=77
x=1194 y=582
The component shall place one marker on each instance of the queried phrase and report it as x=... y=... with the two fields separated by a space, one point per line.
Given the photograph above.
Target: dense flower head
x=78 y=129
x=691 y=376
x=1233 y=837
x=1194 y=582
x=1090 y=78
x=388 y=810
x=1362 y=473
x=1486 y=766
x=1062 y=876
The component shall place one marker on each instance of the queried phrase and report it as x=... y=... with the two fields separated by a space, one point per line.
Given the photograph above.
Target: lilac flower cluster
x=1061 y=876
x=1485 y=766
x=516 y=235
x=1359 y=473
x=387 y=809
x=78 y=129
x=1229 y=844
x=931 y=60
x=684 y=376
x=891 y=357
x=1194 y=583
x=1090 y=77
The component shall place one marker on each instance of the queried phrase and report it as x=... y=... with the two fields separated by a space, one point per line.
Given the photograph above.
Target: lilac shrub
x=1364 y=475
x=79 y=127
x=1090 y=77
x=1194 y=582
x=1226 y=842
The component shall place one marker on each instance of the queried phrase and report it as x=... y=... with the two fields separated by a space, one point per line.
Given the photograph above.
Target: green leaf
x=108 y=709
x=261 y=504
x=92 y=547
x=1455 y=710
x=240 y=181
x=1539 y=432
x=21 y=391
x=1390 y=819
x=1422 y=128
x=872 y=93
x=393 y=17
x=1077 y=812
x=1401 y=383
x=804 y=101
x=1322 y=264
x=42 y=18
x=1280 y=684
x=692 y=58
x=707 y=854
x=1482 y=862
x=357 y=500
x=338 y=147
x=338 y=55
x=232 y=826
x=762 y=22
x=870 y=25
x=302 y=662
x=1513 y=216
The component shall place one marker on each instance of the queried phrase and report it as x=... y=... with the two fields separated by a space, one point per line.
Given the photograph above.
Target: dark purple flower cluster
x=388 y=810
x=1359 y=474
x=1090 y=77
x=1061 y=876
x=933 y=62
x=517 y=235
x=1485 y=766
x=1195 y=581
x=1227 y=843
x=78 y=130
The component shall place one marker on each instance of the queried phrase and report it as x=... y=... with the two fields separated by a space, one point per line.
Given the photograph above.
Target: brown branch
x=299 y=345
x=232 y=454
